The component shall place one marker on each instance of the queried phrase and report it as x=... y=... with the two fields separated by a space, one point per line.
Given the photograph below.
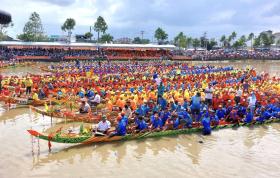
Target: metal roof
x=19 y=43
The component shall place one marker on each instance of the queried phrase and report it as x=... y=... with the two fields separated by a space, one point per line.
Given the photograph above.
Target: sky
x=126 y=18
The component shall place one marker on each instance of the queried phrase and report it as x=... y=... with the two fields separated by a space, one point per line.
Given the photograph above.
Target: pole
x=142 y=34
x=90 y=32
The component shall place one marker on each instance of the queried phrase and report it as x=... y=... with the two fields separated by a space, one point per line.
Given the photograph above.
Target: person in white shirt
x=104 y=125
x=84 y=108
x=96 y=100
x=208 y=95
x=127 y=111
x=158 y=81
x=238 y=95
x=252 y=102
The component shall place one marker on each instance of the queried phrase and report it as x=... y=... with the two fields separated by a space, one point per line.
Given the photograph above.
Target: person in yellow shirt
x=28 y=85
x=35 y=96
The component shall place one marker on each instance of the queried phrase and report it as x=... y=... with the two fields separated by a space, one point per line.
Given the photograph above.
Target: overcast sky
x=126 y=18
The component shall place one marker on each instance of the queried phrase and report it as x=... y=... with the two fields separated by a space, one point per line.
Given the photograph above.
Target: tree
x=257 y=42
x=138 y=40
x=189 y=42
x=232 y=37
x=3 y=31
x=181 y=40
x=68 y=26
x=278 y=43
x=240 y=43
x=266 y=38
x=106 y=38
x=88 y=35
x=33 y=29
x=211 y=43
x=203 y=40
x=100 y=26
x=145 y=41
x=196 y=43
x=250 y=38
x=223 y=40
x=160 y=35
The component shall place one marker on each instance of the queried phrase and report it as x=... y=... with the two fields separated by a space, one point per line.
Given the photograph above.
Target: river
x=243 y=152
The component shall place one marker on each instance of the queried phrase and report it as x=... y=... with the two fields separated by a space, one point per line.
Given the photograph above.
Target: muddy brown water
x=242 y=152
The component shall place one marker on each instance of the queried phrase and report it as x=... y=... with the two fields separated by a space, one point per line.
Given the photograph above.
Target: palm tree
x=232 y=37
x=189 y=41
x=223 y=40
x=250 y=38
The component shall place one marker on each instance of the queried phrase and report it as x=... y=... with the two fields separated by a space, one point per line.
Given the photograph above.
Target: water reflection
x=188 y=145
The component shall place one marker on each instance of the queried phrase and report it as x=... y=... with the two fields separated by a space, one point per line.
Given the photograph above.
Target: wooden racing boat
x=70 y=116
x=88 y=138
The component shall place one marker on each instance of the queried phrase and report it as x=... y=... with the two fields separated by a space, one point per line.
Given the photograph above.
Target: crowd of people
x=154 y=96
x=126 y=53
x=222 y=54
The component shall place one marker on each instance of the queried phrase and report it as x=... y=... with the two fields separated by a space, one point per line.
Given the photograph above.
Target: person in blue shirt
x=206 y=125
x=265 y=115
x=140 y=110
x=185 y=104
x=156 y=122
x=90 y=94
x=162 y=102
x=186 y=117
x=120 y=128
x=140 y=124
x=172 y=122
x=161 y=89
x=195 y=105
x=249 y=117
x=214 y=118
x=164 y=115
x=124 y=118
x=173 y=106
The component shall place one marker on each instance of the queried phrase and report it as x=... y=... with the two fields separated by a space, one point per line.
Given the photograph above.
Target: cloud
x=129 y=17
x=58 y=2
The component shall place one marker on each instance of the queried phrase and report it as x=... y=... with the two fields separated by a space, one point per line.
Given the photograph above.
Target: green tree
x=181 y=40
x=100 y=26
x=232 y=37
x=195 y=43
x=145 y=41
x=211 y=43
x=189 y=41
x=160 y=35
x=138 y=40
x=88 y=35
x=3 y=30
x=240 y=43
x=250 y=38
x=68 y=26
x=257 y=42
x=33 y=29
x=106 y=38
x=223 y=40
x=267 y=39
x=278 y=43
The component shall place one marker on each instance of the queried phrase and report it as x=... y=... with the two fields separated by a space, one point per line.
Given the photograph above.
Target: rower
x=120 y=128
x=103 y=126
x=206 y=125
x=249 y=116
x=96 y=100
x=84 y=108
x=141 y=124
x=35 y=96
x=156 y=122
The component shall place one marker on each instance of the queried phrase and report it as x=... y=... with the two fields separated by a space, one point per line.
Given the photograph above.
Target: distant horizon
x=126 y=18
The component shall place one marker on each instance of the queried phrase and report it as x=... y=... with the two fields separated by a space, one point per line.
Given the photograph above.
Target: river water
x=243 y=152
